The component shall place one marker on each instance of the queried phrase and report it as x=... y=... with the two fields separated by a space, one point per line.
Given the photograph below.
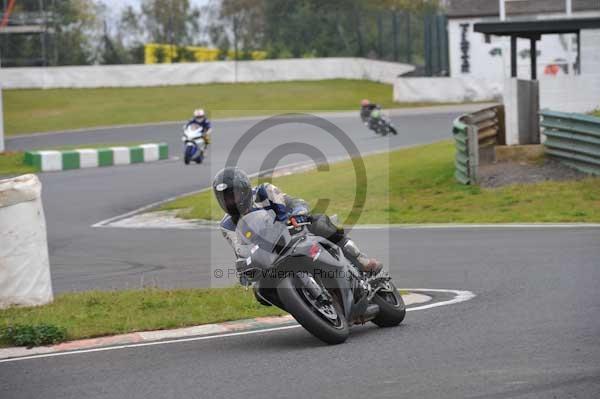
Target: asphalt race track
x=84 y=258
x=532 y=331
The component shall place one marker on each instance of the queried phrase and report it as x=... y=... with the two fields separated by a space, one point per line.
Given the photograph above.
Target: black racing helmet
x=233 y=191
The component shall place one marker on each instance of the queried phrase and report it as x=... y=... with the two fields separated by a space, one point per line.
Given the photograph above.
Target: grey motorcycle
x=309 y=277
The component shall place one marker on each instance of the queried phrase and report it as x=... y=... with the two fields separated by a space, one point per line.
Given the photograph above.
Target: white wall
x=204 y=72
x=590 y=57
x=571 y=93
x=461 y=89
x=579 y=93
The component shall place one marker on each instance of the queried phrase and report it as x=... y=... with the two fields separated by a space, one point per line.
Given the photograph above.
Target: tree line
x=79 y=32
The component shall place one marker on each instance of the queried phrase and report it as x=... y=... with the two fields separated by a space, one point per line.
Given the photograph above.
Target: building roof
x=537 y=27
x=486 y=8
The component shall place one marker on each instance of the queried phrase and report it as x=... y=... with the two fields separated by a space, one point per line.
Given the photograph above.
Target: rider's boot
x=366 y=265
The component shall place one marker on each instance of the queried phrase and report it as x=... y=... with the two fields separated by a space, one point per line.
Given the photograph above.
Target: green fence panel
x=573 y=146
x=573 y=139
x=461 y=163
x=572 y=136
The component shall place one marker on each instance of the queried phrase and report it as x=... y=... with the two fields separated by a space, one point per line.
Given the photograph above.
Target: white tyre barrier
x=24 y=266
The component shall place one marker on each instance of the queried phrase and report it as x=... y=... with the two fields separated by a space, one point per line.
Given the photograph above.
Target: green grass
x=97 y=146
x=11 y=163
x=98 y=313
x=27 y=111
x=416 y=185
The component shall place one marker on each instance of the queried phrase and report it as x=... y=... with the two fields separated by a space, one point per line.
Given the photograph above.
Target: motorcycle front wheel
x=391 y=307
x=325 y=321
x=187 y=157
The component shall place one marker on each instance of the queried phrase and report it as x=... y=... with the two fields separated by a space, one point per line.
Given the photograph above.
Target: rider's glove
x=300 y=218
x=299 y=214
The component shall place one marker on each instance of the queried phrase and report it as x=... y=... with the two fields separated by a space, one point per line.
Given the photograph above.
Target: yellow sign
x=199 y=54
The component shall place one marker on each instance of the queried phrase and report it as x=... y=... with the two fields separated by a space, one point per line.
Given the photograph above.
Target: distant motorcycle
x=309 y=277
x=194 y=143
x=380 y=124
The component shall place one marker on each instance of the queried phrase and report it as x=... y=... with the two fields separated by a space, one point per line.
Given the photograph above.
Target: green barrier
x=475 y=136
x=573 y=139
x=462 y=162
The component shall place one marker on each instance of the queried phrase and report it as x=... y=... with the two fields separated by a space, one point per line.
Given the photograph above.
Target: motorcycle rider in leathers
x=237 y=197
x=366 y=109
x=200 y=119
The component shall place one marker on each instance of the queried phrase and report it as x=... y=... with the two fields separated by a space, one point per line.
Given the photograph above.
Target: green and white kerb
x=92 y=158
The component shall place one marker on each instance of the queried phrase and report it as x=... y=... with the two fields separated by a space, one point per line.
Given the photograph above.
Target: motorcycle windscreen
x=262 y=229
x=193 y=132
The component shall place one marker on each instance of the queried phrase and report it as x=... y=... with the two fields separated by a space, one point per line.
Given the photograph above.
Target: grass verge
x=11 y=164
x=27 y=111
x=416 y=185
x=99 y=313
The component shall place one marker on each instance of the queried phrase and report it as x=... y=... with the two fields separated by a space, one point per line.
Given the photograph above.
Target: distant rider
x=366 y=107
x=366 y=113
x=201 y=120
x=237 y=197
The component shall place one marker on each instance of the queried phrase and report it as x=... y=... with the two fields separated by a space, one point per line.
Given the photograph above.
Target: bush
x=33 y=335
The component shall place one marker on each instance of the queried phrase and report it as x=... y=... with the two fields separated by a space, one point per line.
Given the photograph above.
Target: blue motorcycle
x=194 y=144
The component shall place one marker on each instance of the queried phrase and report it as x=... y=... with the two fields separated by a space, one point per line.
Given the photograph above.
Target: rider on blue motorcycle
x=201 y=120
x=237 y=197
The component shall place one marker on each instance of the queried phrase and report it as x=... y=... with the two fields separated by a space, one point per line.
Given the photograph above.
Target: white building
x=480 y=65
x=471 y=54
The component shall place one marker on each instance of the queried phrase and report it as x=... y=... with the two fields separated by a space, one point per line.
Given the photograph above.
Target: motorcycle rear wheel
x=295 y=302
x=391 y=307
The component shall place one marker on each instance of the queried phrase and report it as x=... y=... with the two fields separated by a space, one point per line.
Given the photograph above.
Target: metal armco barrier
x=475 y=136
x=573 y=139
x=461 y=161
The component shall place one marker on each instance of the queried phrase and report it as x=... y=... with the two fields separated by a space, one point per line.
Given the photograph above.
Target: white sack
x=24 y=267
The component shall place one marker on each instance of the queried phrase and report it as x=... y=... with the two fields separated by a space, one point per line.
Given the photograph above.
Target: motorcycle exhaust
x=370 y=314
